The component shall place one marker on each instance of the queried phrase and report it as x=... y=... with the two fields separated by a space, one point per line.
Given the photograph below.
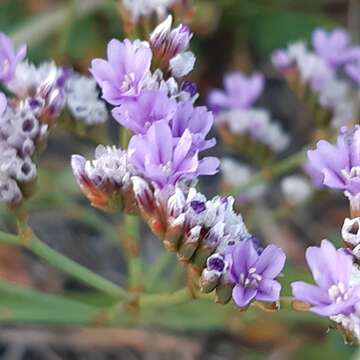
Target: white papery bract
x=82 y=98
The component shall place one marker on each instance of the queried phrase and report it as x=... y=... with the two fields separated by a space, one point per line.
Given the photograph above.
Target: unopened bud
x=350 y=231
x=190 y=244
x=174 y=233
x=224 y=293
x=209 y=280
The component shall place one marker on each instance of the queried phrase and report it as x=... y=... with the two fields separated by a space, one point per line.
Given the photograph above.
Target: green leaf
x=19 y=304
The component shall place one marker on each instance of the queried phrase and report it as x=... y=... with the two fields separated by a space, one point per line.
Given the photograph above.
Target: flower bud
x=208 y=246
x=209 y=280
x=174 y=233
x=224 y=293
x=105 y=181
x=166 y=43
x=190 y=244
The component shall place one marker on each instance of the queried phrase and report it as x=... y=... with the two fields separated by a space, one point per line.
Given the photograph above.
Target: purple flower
x=160 y=158
x=9 y=58
x=331 y=270
x=140 y=113
x=254 y=274
x=198 y=120
x=331 y=46
x=122 y=75
x=338 y=165
x=240 y=92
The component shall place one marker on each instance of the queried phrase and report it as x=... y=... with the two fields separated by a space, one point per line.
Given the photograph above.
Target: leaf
x=19 y=305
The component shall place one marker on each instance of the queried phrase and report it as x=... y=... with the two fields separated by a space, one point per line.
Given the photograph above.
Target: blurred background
x=229 y=35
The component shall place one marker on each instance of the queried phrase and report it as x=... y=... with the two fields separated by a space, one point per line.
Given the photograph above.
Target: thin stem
x=67 y=265
x=177 y=297
x=130 y=239
x=131 y=226
x=272 y=171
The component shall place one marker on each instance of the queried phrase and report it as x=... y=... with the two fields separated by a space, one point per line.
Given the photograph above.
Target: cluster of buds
x=317 y=76
x=38 y=95
x=105 y=181
x=154 y=177
x=42 y=87
x=241 y=125
x=210 y=238
x=20 y=135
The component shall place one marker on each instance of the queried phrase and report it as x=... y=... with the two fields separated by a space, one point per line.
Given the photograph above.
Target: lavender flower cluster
x=337 y=272
x=236 y=114
x=330 y=70
x=155 y=176
x=38 y=95
x=24 y=118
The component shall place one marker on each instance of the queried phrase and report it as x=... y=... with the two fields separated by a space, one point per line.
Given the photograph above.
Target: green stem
x=277 y=169
x=177 y=297
x=131 y=225
x=67 y=265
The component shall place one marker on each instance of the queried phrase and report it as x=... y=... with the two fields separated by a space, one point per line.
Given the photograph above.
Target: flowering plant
x=154 y=177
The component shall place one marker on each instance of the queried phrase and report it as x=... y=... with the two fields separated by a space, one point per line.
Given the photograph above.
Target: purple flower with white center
x=240 y=92
x=139 y=114
x=338 y=165
x=160 y=158
x=331 y=270
x=122 y=74
x=9 y=58
x=166 y=43
x=254 y=274
x=198 y=120
x=332 y=46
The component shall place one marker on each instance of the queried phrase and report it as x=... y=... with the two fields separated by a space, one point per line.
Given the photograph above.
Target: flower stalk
x=68 y=266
